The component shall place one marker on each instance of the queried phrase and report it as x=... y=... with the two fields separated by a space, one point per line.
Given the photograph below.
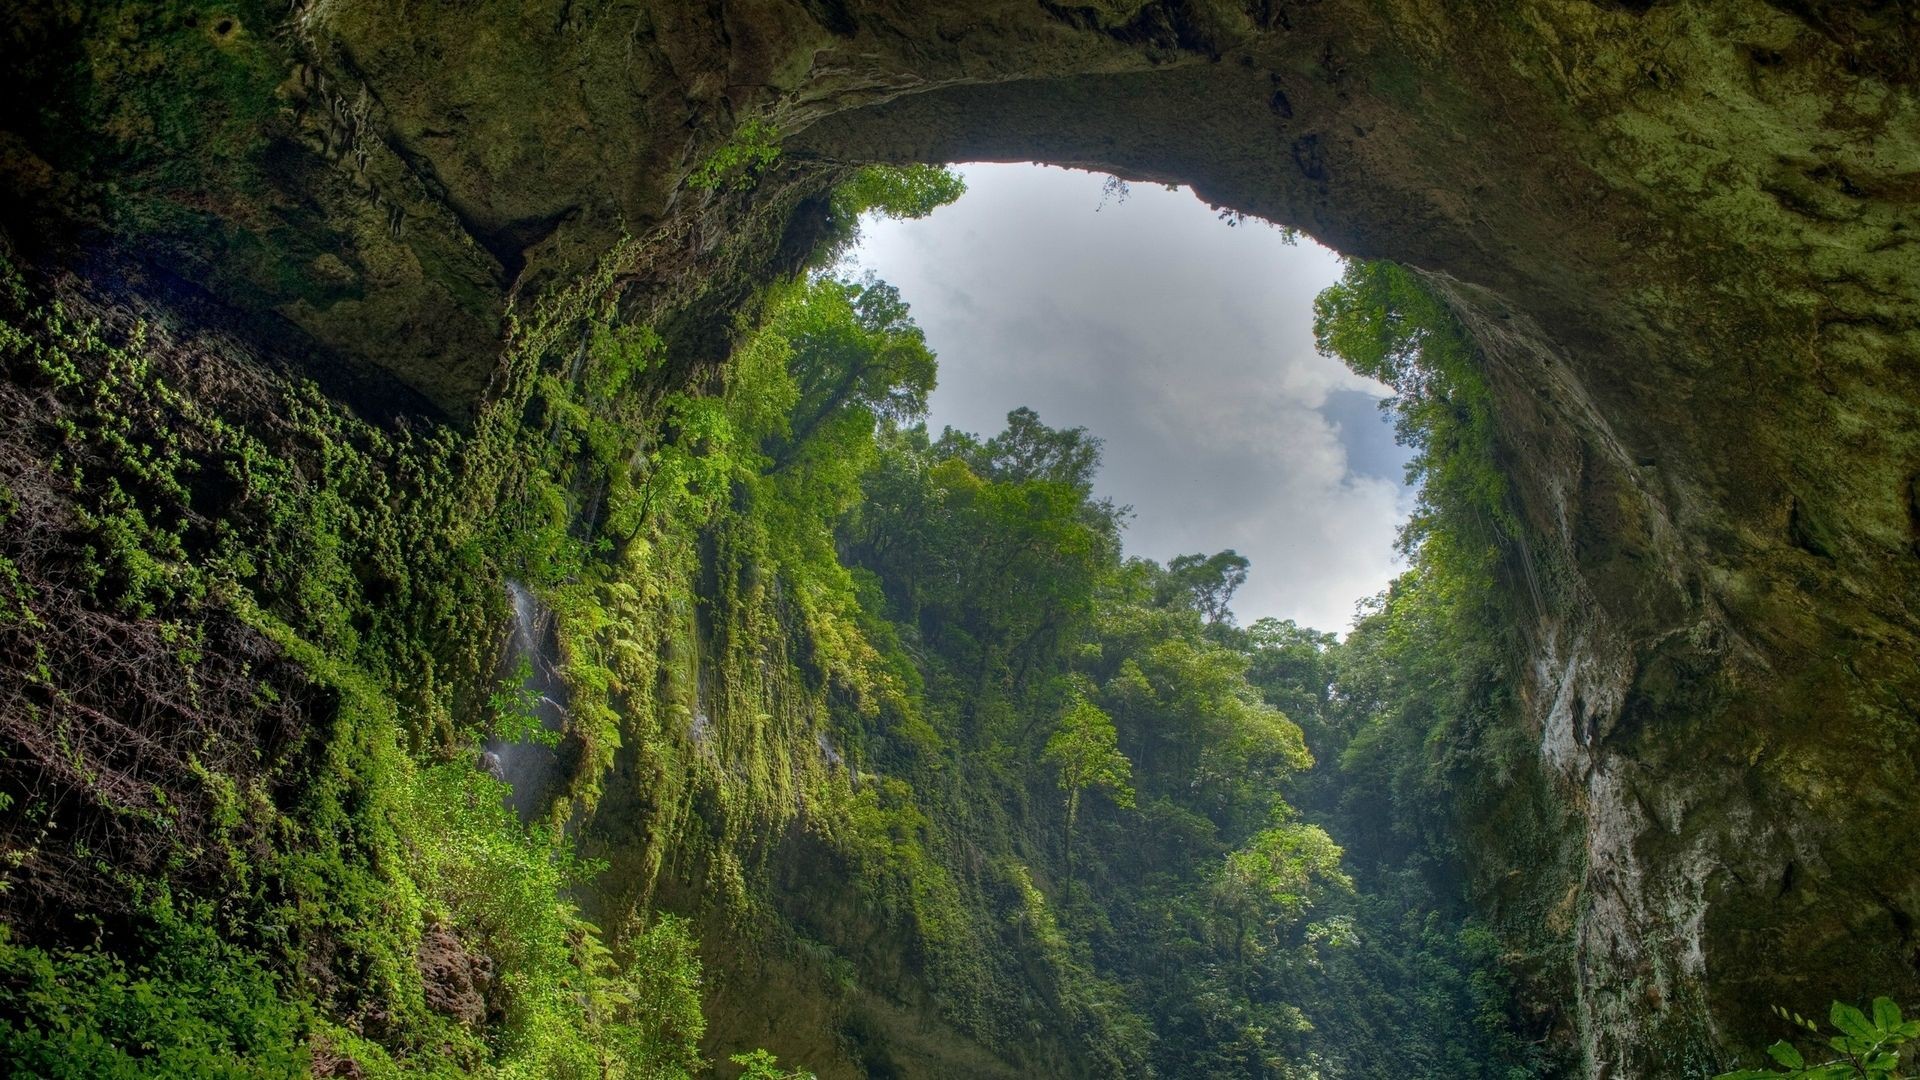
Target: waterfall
x=530 y=769
x=827 y=750
x=700 y=723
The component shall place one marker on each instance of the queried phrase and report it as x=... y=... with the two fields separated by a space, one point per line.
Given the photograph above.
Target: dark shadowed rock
x=1685 y=235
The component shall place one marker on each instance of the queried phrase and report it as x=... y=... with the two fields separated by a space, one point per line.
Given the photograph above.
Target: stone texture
x=456 y=981
x=1686 y=234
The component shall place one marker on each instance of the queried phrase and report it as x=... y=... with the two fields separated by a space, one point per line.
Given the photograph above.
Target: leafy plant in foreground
x=1867 y=1046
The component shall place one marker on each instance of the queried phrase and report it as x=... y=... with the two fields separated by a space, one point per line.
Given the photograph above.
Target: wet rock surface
x=1686 y=236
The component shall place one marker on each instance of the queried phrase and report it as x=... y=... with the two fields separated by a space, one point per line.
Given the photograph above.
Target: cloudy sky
x=1187 y=345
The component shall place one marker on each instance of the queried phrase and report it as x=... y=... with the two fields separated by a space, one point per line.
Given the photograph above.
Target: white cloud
x=1186 y=344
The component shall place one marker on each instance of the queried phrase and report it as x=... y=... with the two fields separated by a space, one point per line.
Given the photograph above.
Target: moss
x=359 y=560
x=1717 y=192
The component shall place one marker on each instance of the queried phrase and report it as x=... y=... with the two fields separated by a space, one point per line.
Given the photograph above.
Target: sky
x=1186 y=343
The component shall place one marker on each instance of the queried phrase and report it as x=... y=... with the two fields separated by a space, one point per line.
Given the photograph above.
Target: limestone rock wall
x=1687 y=235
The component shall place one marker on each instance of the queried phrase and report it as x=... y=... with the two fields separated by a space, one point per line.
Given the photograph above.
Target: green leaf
x=1784 y=1053
x=1852 y=1021
x=1886 y=1015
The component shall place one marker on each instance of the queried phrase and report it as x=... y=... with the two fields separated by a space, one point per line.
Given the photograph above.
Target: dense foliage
x=251 y=642
x=1123 y=753
x=888 y=712
x=301 y=864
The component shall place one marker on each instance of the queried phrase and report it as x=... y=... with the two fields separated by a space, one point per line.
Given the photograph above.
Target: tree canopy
x=1208 y=582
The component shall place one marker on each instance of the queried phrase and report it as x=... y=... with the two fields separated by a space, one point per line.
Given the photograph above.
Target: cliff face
x=1685 y=235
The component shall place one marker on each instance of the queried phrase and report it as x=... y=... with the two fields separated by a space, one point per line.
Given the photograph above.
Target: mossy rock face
x=1686 y=235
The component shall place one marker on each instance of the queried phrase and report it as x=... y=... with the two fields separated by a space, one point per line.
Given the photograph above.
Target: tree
x=994 y=567
x=1270 y=883
x=1207 y=582
x=1029 y=450
x=910 y=191
x=1294 y=668
x=647 y=1003
x=1276 y=872
x=1087 y=750
x=856 y=354
x=1384 y=323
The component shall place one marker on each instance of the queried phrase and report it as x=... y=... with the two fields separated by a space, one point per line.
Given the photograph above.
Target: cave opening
x=1182 y=336
x=1227 y=748
x=1673 y=783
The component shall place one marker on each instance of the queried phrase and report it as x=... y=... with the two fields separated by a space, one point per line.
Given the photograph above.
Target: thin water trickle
x=530 y=768
x=526 y=612
x=827 y=750
x=700 y=727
